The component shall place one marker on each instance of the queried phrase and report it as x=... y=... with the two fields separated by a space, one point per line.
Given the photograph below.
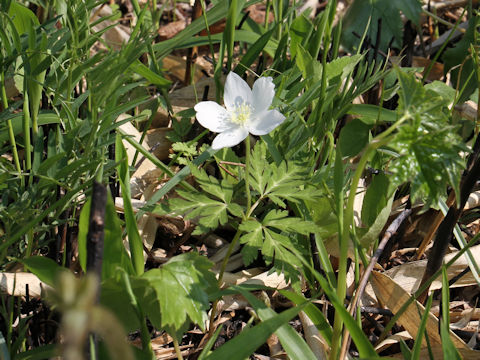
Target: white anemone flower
x=247 y=111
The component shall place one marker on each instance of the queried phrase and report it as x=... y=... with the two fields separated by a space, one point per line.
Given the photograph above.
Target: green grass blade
x=313 y=313
x=292 y=342
x=253 y=52
x=243 y=345
x=134 y=239
x=421 y=330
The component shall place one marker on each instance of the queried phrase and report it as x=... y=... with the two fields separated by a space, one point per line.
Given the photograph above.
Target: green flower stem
x=239 y=232
x=177 y=349
x=247 y=173
x=11 y=134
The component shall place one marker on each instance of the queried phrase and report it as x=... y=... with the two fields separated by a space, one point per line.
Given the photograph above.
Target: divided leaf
x=286 y=181
x=209 y=213
x=428 y=147
x=268 y=236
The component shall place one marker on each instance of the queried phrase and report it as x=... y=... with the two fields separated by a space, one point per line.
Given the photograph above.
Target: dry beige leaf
x=315 y=341
x=251 y=276
x=131 y=131
x=231 y=303
x=15 y=284
x=393 y=297
x=392 y=340
x=473 y=200
x=409 y=275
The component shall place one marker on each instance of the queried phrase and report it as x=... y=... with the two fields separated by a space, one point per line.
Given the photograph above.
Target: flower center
x=241 y=113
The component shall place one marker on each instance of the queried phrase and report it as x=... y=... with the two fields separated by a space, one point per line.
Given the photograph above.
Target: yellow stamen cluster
x=241 y=113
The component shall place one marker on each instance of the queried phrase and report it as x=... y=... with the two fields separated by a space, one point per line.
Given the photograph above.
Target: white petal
x=213 y=116
x=229 y=138
x=236 y=92
x=265 y=122
x=263 y=93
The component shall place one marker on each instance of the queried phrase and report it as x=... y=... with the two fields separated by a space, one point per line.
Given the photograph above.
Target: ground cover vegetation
x=239 y=179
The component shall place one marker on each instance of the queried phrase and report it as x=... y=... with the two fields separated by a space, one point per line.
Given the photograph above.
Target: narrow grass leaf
x=292 y=342
x=134 y=239
x=243 y=345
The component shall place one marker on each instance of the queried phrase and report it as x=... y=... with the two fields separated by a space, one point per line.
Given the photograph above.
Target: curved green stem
x=247 y=173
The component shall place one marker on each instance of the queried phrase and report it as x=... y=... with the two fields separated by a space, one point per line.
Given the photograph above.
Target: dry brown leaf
x=171 y=29
x=393 y=297
x=176 y=66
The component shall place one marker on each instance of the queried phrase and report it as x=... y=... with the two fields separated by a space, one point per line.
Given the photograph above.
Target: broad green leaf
x=300 y=31
x=442 y=89
x=43 y=119
x=286 y=181
x=370 y=113
x=427 y=144
x=342 y=66
x=177 y=293
x=46 y=269
x=114 y=297
x=40 y=353
x=363 y=12
x=23 y=18
x=375 y=199
x=410 y=8
x=354 y=137
x=460 y=55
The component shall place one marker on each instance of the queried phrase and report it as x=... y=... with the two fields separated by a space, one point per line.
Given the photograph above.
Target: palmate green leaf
x=427 y=144
x=177 y=294
x=208 y=212
x=286 y=181
x=267 y=236
x=211 y=213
